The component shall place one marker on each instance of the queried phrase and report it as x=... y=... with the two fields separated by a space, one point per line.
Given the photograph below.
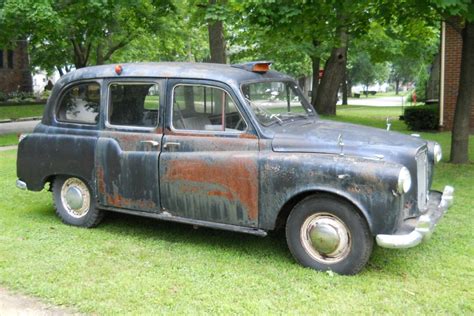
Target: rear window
x=80 y=104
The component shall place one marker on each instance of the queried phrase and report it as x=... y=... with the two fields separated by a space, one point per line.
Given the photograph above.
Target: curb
x=21 y=119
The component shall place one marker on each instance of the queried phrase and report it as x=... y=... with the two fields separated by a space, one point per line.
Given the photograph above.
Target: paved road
x=382 y=101
x=18 y=127
x=15 y=304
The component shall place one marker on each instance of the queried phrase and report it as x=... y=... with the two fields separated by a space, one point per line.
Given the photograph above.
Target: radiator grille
x=422 y=179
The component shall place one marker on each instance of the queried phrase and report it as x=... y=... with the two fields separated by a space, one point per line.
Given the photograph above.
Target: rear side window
x=134 y=104
x=80 y=104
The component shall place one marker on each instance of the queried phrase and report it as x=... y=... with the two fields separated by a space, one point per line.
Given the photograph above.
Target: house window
x=1 y=58
x=10 y=59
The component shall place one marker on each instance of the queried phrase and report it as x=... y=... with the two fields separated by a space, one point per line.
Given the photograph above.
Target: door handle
x=171 y=144
x=152 y=143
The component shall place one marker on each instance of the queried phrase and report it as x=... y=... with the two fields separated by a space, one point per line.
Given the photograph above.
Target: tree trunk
x=334 y=70
x=397 y=86
x=344 y=89
x=460 y=135
x=316 y=63
x=216 y=40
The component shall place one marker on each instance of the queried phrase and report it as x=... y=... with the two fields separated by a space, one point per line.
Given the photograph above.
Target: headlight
x=404 y=181
x=437 y=152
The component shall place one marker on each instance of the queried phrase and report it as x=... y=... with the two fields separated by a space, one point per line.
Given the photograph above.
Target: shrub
x=424 y=117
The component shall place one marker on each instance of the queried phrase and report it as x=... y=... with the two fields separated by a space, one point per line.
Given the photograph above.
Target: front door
x=128 y=148
x=209 y=163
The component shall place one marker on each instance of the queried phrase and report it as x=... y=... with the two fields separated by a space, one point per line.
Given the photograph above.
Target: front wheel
x=324 y=233
x=74 y=202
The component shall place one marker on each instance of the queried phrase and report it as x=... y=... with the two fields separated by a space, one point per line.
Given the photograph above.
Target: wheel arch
x=288 y=206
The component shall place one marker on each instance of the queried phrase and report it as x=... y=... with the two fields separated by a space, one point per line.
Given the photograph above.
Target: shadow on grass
x=120 y=225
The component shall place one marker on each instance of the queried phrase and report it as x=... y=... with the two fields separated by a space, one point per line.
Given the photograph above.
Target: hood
x=322 y=136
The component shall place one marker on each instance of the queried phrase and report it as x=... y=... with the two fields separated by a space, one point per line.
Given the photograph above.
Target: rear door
x=128 y=148
x=209 y=163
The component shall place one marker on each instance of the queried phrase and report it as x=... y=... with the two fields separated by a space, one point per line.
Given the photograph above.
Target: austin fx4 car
x=234 y=147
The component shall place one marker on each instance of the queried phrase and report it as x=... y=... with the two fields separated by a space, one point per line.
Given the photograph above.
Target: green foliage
x=83 y=32
x=362 y=70
x=420 y=118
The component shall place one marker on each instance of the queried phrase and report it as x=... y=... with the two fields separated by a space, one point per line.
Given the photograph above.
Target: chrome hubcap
x=325 y=238
x=75 y=197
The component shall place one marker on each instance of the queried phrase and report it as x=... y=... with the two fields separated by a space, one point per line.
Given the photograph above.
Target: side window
x=134 y=104
x=80 y=104
x=205 y=108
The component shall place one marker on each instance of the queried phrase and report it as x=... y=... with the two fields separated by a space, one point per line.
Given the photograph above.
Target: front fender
x=368 y=184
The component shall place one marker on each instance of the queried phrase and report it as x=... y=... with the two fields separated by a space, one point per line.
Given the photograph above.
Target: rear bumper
x=438 y=205
x=21 y=185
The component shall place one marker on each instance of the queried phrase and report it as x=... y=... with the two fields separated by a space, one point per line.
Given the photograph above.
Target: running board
x=168 y=217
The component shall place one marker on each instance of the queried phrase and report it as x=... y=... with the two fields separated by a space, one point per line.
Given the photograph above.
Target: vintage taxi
x=234 y=147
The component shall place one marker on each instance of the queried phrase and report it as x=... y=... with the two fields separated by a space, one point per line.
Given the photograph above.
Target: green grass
x=8 y=139
x=20 y=111
x=138 y=266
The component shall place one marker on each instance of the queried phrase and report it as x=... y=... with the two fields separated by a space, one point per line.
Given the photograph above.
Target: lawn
x=139 y=266
x=20 y=111
x=8 y=139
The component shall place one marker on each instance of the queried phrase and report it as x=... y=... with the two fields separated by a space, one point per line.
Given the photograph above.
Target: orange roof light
x=255 y=66
x=261 y=67
x=118 y=69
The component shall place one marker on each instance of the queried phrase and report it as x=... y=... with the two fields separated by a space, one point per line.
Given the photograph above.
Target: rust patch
x=248 y=136
x=100 y=180
x=237 y=177
x=228 y=195
x=120 y=201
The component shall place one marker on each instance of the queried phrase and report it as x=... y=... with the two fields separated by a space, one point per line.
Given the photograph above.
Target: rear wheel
x=324 y=233
x=74 y=203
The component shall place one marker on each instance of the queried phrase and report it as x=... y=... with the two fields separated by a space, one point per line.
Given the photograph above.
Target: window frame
x=220 y=132
x=133 y=81
x=65 y=90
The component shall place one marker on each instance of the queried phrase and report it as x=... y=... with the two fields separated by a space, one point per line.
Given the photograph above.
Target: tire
x=325 y=233
x=74 y=202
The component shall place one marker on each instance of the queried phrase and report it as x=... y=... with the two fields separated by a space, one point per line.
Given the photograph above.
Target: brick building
x=15 y=74
x=451 y=50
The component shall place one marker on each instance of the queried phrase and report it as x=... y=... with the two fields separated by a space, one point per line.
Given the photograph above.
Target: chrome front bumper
x=437 y=206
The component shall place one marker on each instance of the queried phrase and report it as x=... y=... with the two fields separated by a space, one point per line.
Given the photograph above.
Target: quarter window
x=205 y=108
x=80 y=104
x=134 y=104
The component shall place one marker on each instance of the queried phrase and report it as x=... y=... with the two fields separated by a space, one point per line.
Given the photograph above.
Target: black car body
x=230 y=147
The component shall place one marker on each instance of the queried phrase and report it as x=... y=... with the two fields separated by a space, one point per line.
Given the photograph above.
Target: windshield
x=276 y=101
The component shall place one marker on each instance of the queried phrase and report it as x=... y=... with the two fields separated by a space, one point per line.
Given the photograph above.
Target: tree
x=318 y=24
x=366 y=72
x=79 y=32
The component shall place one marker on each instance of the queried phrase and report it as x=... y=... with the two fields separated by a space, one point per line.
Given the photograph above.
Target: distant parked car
x=234 y=147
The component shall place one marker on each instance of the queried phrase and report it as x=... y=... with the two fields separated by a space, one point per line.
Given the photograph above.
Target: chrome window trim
x=130 y=127
x=204 y=132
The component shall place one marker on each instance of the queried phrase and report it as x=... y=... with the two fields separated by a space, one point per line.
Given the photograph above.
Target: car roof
x=186 y=70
